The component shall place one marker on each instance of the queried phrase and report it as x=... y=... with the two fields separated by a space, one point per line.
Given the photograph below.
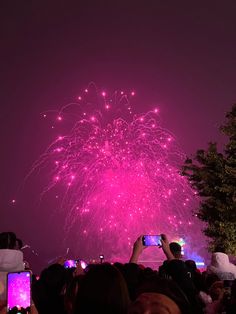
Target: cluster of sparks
x=120 y=173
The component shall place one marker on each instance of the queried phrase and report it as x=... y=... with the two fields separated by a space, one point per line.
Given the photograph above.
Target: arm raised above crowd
x=137 y=250
x=166 y=247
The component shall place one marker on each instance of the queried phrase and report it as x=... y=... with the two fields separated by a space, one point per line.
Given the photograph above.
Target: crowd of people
x=177 y=287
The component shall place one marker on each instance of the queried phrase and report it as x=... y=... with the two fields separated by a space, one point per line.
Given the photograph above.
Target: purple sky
x=175 y=54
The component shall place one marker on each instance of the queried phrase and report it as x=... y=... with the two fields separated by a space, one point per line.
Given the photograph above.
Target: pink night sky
x=106 y=158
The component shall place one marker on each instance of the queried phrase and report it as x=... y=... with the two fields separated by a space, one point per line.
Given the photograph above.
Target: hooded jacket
x=10 y=261
x=221 y=266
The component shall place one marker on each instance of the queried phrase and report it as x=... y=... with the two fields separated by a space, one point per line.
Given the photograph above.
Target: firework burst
x=120 y=174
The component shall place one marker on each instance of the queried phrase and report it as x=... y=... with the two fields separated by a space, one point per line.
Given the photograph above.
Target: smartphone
x=151 y=240
x=19 y=291
x=70 y=263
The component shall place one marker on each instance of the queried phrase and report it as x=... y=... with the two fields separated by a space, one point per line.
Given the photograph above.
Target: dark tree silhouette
x=213 y=176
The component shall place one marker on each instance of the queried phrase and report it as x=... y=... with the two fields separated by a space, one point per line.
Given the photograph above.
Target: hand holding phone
x=151 y=240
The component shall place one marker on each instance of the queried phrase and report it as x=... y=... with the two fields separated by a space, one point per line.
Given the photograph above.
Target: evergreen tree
x=213 y=176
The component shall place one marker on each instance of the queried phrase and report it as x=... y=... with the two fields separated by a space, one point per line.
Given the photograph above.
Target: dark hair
x=102 y=290
x=132 y=274
x=195 y=275
x=168 y=287
x=7 y=240
x=71 y=292
x=179 y=273
x=191 y=265
x=47 y=291
x=220 y=248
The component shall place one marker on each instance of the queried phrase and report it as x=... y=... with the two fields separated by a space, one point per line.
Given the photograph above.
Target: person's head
x=54 y=277
x=47 y=291
x=175 y=249
x=220 y=248
x=166 y=287
x=102 y=290
x=7 y=240
x=152 y=303
x=132 y=274
x=191 y=265
x=195 y=275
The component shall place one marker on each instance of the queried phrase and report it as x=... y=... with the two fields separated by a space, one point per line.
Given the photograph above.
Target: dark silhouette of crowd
x=177 y=287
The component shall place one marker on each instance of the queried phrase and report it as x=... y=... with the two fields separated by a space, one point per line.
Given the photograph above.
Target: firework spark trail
x=120 y=175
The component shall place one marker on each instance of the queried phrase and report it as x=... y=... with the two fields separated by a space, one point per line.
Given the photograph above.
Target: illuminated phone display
x=151 y=240
x=70 y=263
x=18 y=290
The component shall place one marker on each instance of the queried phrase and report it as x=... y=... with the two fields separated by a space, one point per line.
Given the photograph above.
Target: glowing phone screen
x=18 y=290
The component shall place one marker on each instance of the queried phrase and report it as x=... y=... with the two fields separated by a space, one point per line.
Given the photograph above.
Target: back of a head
x=191 y=265
x=132 y=274
x=178 y=271
x=175 y=249
x=7 y=240
x=54 y=278
x=45 y=302
x=220 y=248
x=166 y=287
x=102 y=290
x=153 y=303
x=47 y=291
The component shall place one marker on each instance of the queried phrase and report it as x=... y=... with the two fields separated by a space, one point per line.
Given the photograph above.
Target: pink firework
x=120 y=176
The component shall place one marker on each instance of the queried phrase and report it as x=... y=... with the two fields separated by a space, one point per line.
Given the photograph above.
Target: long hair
x=102 y=290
